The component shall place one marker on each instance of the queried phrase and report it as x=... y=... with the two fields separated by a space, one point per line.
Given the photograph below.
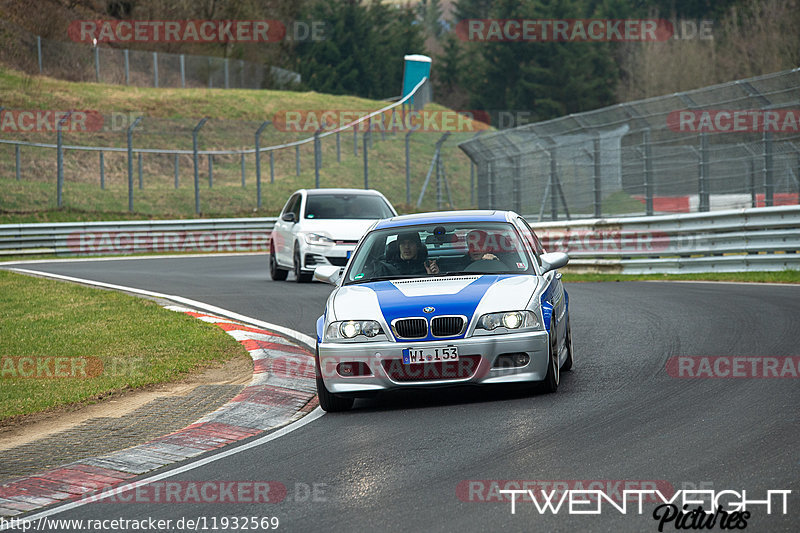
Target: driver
x=412 y=256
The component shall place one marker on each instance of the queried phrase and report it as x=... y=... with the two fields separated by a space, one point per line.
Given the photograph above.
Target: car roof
x=444 y=217
x=315 y=192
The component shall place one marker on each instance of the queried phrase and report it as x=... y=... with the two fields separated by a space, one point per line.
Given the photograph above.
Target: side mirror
x=328 y=273
x=553 y=261
x=288 y=217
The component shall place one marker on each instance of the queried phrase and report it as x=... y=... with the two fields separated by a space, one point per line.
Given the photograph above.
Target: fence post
x=648 y=173
x=102 y=171
x=752 y=183
x=96 y=63
x=141 y=183
x=272 y=166
x=39 y=51
x=703 y=197
x=258 y=162
x=769 y=186
x=183 y=71
x=60 y=159
x=195 y=131
x=176 y=170
x=317 y=158
x=210 y=83
x=408 y=167
x=130 y=162
x=210 y=171
x=242 y=163
x=598 y=193
x=338 y=148
x=127 y=67
x=366 y=159
x=490 y=183
x=438 y=186
x=17 y=161
x=553 y=177
x=297 y=159
x=227 y=84
x=355 y=140
x=155 y=69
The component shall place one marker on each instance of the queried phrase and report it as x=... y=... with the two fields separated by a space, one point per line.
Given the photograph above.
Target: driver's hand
x=431 y=267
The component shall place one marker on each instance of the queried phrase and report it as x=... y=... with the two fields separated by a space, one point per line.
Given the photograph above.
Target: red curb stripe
x=253 y=344
x=240 y=327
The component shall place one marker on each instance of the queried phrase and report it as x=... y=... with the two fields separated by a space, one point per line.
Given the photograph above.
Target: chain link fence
x=104 y=64
x=186 y=167
x=726 y=146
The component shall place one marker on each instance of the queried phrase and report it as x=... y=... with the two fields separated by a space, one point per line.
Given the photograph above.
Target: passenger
x=478 y=248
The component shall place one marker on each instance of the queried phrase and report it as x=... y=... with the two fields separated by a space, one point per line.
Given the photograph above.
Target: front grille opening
x=447 y=326
x=411 y=328
x=464 y=368
x=336 y=261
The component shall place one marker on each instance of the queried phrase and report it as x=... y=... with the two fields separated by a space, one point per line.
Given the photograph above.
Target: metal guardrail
x=755 y=239
x=127 y=237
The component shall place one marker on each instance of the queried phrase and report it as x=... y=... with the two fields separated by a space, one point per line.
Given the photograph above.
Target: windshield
x=451 y=249
x=337 y=206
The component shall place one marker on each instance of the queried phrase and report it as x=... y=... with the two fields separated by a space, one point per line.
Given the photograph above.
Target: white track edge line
x=301 y=337
x=313 y=415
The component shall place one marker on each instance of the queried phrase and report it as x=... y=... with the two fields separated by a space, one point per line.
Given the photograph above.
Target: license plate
x=412 y=356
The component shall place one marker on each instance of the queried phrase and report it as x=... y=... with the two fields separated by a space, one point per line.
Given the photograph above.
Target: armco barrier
x=754 y=239
x=127 y=237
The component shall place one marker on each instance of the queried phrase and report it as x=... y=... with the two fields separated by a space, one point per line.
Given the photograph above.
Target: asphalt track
x=396 y=462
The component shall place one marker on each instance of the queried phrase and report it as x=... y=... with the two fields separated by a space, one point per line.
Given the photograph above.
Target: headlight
x=317 y=239
x=508 y=320
x=349 y=329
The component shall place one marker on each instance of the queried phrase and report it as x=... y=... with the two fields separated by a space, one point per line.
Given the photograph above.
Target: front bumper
x=384 y=360
x=315 y=255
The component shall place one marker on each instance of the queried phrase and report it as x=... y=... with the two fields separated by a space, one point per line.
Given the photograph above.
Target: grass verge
x=98 y=342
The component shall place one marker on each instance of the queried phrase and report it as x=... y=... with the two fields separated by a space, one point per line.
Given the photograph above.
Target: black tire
x=331 y=403
x=275 y=272
x=570 y=355
x=553 y=376
x=299 y=275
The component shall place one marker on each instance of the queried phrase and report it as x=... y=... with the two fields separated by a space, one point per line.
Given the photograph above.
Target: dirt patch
x=22 y=430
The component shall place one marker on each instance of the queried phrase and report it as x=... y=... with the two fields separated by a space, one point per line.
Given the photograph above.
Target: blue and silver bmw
x=438 y=299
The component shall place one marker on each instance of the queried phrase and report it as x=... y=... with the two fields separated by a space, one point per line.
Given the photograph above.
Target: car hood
x=338 y=229
x=464 y=295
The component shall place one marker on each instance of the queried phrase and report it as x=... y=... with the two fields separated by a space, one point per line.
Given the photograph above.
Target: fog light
x=512 y=360
x=352 y=369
